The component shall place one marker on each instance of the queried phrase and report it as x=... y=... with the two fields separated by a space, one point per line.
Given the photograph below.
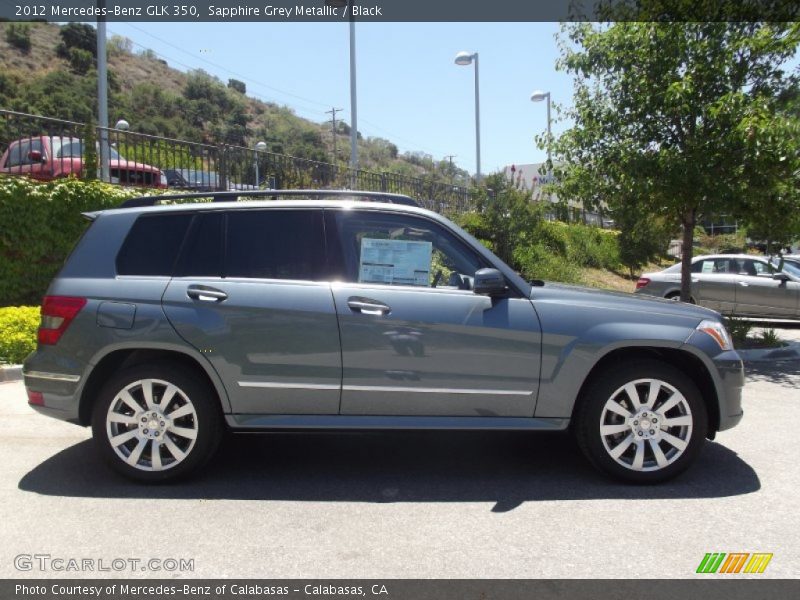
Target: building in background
x=533 y=177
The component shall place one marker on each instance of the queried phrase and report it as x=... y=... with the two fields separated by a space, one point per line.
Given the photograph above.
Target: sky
x=409 y=90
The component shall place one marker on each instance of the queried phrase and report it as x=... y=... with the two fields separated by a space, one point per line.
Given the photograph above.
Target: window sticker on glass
x=708 y=266
x=395 y=262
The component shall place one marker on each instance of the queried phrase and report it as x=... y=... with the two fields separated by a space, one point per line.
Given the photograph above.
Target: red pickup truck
x=47 y=157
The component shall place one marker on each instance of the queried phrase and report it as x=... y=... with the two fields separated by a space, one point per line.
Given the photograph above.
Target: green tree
x=660 y=111
x=238 y=86
x=771 y=201
x=77 y=35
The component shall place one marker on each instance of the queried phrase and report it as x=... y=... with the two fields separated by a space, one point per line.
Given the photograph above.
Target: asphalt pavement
x=427 y=504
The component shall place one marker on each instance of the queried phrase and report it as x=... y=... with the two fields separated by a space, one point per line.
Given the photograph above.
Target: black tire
x=592 y=413
x=205 y=422
x=677 y=297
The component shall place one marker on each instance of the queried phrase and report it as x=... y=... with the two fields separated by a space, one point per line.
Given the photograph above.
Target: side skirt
x=266 y=422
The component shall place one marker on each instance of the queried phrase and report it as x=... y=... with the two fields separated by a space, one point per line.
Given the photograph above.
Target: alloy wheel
x=152 y=425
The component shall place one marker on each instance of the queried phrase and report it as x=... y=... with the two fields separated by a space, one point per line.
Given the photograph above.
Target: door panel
x=763 y=296
x=275 y=344
x=269 y=328
x=437 y=352
x=415 y=339
x=714 y=284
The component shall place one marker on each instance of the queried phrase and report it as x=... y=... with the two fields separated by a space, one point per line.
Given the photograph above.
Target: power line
x=243 y=77
x=256 y=83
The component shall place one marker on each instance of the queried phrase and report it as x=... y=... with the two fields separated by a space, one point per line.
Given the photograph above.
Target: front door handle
x=205 y=293
x=367 y=306
x=744 y=284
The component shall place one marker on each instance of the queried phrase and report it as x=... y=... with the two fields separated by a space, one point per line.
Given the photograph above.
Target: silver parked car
x=733 y=284
x=169 y=324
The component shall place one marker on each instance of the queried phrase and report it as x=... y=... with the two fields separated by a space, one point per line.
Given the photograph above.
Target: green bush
x=19 y=36
x=18 y=325
x=537 y=262
x=39 y=225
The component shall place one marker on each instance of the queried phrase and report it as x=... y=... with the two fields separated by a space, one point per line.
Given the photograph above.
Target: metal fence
x=47 y=148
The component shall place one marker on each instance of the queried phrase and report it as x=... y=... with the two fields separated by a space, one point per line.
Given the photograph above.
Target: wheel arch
x=681 y=359
x=121 y=358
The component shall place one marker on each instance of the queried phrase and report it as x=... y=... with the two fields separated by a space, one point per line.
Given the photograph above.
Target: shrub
x=39 y=225
x=80 y=60
x=515 y=229
x=739 y=329
x=18 y=35
x=537 y=262
x=18 y=325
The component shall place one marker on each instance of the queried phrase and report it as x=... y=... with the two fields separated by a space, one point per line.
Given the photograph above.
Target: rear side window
x=152 y=245
x=202 y=253
x=275 y=244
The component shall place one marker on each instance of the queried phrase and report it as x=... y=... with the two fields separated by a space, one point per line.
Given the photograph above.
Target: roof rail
x=234 y=195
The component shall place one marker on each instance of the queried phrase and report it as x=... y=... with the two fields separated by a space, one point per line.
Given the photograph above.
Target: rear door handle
x=205 y=293
x=744 y=284
x=367 y=306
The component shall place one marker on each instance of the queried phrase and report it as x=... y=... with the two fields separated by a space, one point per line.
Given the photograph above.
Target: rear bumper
x=59 y=386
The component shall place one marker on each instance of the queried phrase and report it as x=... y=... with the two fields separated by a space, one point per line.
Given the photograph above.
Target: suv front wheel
x=156 y=423
x=643 y=422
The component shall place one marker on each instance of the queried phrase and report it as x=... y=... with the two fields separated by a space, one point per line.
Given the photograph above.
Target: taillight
x=643 y=281
x=57 y=314
x=35 y=398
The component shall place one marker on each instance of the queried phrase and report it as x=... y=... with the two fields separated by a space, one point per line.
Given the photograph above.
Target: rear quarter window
x=152 y=245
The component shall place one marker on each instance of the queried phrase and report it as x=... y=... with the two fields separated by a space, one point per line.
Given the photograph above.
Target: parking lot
x=421 y=504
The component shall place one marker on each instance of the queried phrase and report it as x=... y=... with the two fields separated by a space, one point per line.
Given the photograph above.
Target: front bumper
x=731 y=373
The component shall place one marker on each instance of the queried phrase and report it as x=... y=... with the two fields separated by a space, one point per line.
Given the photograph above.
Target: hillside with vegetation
x=50 y=70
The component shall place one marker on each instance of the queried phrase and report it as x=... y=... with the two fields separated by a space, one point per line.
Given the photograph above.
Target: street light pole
x=538 y=96
x=102 y=93
x=347 y=5
x=353 y=101
x=464 y=59
x=259 y=147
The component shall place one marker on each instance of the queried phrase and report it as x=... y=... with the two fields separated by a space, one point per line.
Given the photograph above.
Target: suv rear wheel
x=643 y=422
x=156 y=423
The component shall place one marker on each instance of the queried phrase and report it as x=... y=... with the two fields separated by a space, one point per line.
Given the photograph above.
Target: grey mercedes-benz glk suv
x=169 y=324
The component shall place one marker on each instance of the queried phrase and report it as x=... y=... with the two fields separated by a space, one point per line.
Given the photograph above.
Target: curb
x=790 y=352
x=10 y=373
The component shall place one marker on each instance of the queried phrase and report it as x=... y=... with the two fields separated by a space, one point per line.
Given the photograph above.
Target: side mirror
x=35 y=156
x=489 y=282
x=780 y=276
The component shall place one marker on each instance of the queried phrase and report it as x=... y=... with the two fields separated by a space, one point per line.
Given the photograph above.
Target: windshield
x=194 y=176
x=73 y=148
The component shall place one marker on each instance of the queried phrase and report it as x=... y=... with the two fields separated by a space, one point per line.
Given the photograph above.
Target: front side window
x=755 y=268
x=275 y=244
x=393 y=249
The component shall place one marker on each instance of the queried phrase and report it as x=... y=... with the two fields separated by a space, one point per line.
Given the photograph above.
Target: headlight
x=718 y=332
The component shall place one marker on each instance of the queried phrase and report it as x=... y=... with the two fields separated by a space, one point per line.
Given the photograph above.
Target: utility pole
x=450 y=157
x=333 y=112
